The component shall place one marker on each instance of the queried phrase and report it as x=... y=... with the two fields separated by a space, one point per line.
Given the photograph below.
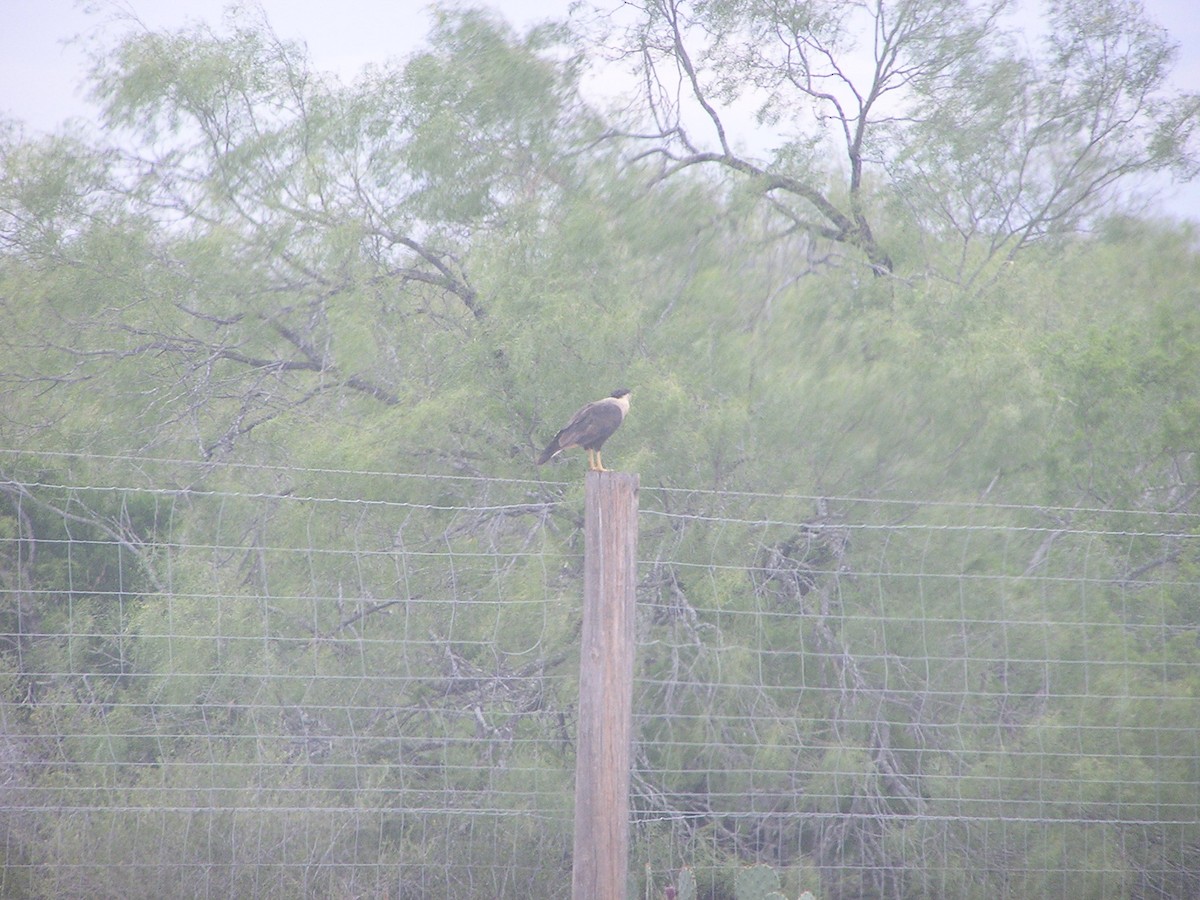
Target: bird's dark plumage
x=590 y=428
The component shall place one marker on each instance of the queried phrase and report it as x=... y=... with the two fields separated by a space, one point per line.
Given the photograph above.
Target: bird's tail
x=549 y=453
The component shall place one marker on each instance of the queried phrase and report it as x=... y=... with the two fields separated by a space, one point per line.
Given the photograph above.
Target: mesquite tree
x=934 y=113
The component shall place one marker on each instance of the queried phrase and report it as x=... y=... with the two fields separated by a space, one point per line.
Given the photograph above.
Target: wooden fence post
x=605 y=733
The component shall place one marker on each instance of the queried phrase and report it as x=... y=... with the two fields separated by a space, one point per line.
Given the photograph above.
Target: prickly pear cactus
x=756 y=883
x=685 y=885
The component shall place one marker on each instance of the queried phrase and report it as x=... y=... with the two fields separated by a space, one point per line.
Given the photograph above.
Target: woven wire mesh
x=293 y=682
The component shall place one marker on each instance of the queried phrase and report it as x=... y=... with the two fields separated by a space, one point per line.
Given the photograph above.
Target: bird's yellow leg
x=591 y=460
x=599 y=464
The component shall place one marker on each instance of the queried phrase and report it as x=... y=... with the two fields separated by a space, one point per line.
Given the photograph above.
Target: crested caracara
x=590 y=428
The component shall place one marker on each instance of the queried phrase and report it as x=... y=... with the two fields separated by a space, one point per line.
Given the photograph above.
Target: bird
x=590 y=428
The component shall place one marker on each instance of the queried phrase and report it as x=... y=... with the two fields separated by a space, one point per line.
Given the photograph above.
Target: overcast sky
x=41 y=69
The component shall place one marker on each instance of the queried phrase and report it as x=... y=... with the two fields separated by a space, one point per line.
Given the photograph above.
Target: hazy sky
x=41 y=69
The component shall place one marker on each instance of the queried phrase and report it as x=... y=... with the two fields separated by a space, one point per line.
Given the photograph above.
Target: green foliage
x=486 y=135
x=281 y=583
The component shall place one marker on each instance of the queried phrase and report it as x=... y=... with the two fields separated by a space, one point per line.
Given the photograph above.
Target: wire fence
x=283 y=682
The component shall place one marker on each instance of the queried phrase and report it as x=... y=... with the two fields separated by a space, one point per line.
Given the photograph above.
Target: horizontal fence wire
x=279 y=681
